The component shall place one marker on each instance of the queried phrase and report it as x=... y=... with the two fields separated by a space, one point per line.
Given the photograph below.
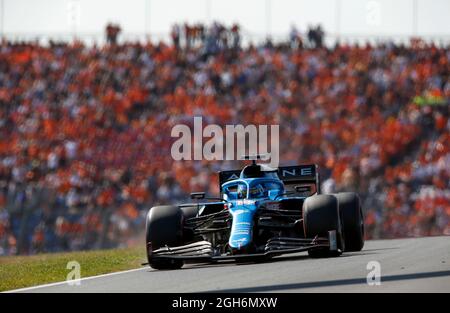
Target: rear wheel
x=352 y=219
x=164 y=227
x=321 y=215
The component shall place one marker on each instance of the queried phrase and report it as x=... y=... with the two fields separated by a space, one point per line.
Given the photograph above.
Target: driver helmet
x=242 y=191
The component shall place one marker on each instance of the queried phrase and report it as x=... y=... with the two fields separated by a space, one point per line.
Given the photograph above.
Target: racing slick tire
x=164 y=226
x=189 y=211
x=321 y=215
x=352 y=219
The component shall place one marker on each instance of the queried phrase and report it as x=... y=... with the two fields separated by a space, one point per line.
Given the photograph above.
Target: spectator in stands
x=112 y=32
x=315 y=36
x=175 y=34
x=83 y=146
x=295 y=38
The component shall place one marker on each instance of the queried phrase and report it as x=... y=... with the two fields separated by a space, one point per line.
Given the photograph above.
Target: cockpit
x=256 y=189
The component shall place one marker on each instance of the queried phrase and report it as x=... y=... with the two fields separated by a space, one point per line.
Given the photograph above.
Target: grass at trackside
x=26 y=271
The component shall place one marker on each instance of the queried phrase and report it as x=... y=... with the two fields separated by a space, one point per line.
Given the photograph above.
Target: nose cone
x=241 y=235
x=241 y=230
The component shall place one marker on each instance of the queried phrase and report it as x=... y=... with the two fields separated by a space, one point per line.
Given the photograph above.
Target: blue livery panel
x=242 y=227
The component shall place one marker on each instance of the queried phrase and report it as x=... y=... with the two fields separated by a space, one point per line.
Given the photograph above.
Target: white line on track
x=80 y=280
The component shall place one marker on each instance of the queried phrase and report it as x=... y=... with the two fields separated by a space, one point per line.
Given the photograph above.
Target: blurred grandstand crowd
x=85 y=131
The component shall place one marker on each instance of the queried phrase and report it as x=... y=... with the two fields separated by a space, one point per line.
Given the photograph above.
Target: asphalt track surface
x=407 y=265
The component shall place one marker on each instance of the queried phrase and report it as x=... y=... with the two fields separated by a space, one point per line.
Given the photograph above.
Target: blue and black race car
x=261 y=212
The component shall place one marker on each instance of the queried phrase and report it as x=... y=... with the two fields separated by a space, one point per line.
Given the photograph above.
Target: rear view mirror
x=273 y=194
x=198 y=195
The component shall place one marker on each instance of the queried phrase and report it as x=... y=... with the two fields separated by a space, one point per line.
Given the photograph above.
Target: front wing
x=202 y=251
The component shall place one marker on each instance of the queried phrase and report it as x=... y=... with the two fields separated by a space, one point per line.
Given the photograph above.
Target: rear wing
x=225 y=176
x=290 y=175
x=300 y=174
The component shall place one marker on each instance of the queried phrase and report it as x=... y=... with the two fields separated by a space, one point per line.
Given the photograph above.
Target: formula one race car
x=261 y=212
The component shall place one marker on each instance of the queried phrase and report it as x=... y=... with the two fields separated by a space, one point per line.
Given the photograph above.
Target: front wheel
x=321 y=215
x=164 y=227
